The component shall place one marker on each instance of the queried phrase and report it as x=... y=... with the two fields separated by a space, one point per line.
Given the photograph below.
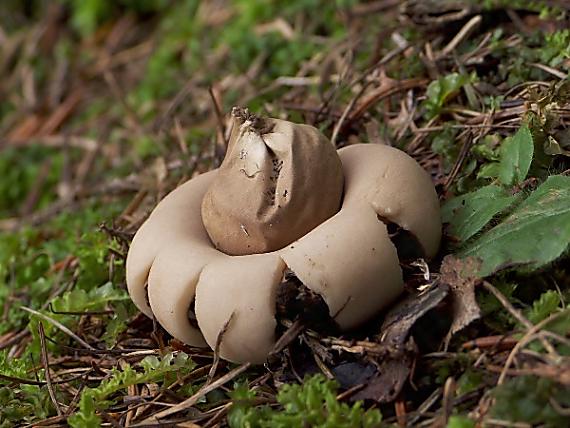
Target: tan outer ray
x=176 y=218
x=172 y=285
x=350 y=261
x=245 y=286
x=397 y=188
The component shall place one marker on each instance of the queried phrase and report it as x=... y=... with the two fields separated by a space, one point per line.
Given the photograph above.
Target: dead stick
x=45 y=363
x=517 y=314
x=186 y=404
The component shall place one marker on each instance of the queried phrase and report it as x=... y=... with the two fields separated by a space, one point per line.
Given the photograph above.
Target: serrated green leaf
x=164 y=370
x=536 y=233
x=313 y=403
x=468 y=214
x=542 y=307
x=516 y=157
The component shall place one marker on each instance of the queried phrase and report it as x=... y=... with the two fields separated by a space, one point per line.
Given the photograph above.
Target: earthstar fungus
x=282 y=200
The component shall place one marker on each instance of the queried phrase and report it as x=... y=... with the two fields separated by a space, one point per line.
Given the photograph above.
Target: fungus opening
x=295 y=301
x=407 y=244
x=192 y=314
x=147 y=299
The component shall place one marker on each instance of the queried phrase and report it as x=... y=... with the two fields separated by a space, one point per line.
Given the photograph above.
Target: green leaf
x=528 y=399
x=313 y=403
x=457 y=421
x=516 y=157
x=489 y=170
x=536 y=233
x=469 y=213
x=441 y=90
x=547 y=304
x=163 y=370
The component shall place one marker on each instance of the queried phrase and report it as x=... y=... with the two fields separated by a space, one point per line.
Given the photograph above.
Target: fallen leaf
x=400 y=320
x=387 y=383
x=353 y=373
x=395 y=367
x=461 y=277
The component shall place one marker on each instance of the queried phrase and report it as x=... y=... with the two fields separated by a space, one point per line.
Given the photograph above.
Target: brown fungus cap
x=278 y=181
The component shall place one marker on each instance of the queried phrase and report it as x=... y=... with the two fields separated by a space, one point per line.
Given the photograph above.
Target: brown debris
x=458 y=275
x=395 y=368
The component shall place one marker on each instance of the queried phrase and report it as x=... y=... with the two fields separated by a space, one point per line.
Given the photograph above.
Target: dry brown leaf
x=459 y=275
x=395 y=367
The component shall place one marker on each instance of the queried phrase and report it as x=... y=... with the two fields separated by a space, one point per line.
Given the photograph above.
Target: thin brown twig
x=186 y=404
x=463 y=34
x=517 y=314
x=60 y=326
x=345 y=114
x=160 y=123
x=219 y=340
x=382 y=93
x=14 y=339
x=45 y=363
x=527 y=338
x=288 y=337
x=465 y=148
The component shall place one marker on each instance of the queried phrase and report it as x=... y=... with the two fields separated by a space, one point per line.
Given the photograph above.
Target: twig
x=401 y=414
x=53 y=311
x=220 y=151
x=448 y=394
x=117 y=92
x=186 y=404
x=425 y=406
x=564 y=411
x=510 y=424
x=219 y=415
x=465 y=148
x=382 y=93
x=14 y=379
x=160 y=123
x=45 y=363
x=61 y=327
x=288 y=337
x=368 y=9
x=528 y=337
x=322 y=366
x=550 y=70
x=517 y=314
x=77 y=396
x=219 y=339
x=465 y=32
x=14 y=339
x=339 y=125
